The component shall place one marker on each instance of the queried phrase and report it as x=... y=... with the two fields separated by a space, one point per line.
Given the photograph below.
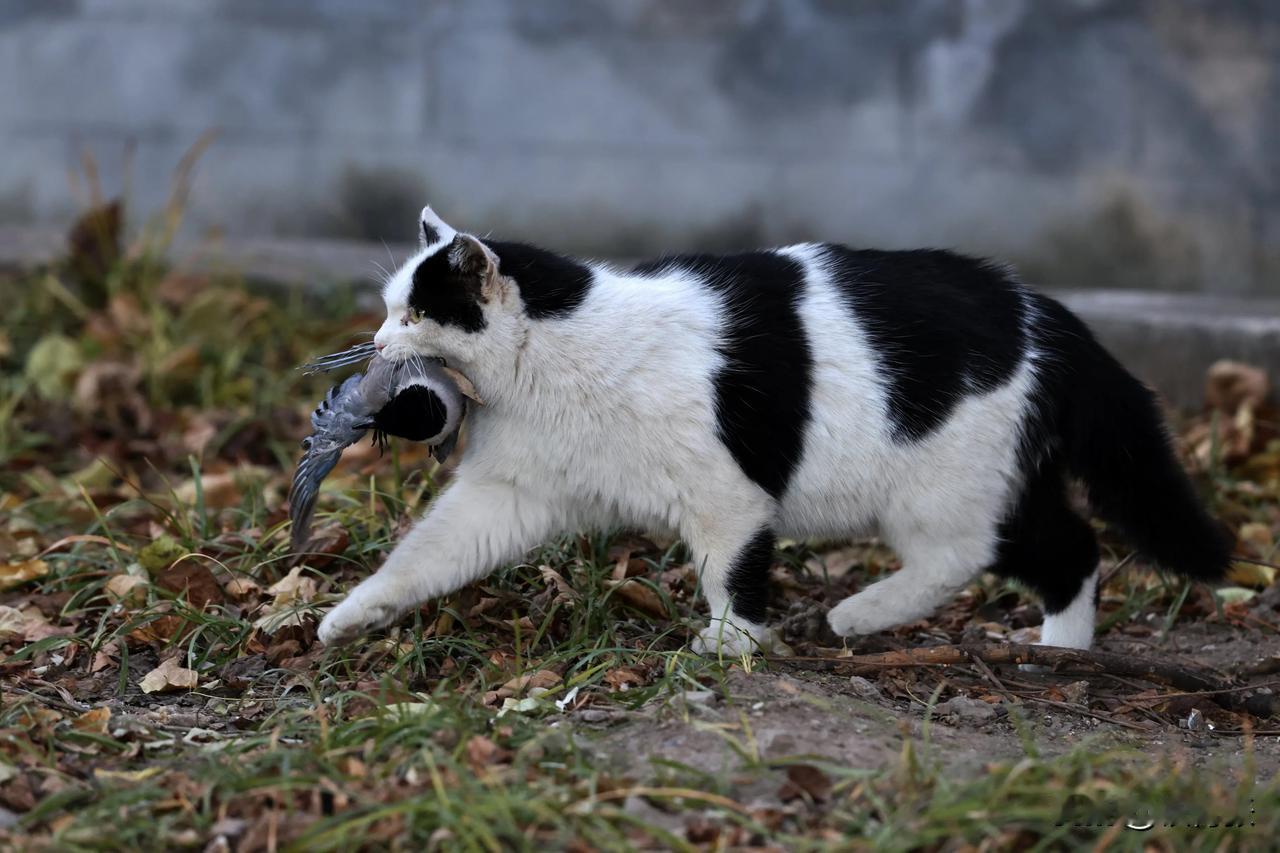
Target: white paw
x=723 y=639
x=861 y=614
x=352 y=619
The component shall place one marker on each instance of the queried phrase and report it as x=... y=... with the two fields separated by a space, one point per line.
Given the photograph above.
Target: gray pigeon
x=416 y=399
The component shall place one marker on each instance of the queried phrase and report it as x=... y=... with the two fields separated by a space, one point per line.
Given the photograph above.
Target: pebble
x=699 y=697
x=964 y=708
x=862 y=688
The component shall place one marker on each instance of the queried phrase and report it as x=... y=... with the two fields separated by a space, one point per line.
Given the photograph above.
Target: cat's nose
x=379 y=347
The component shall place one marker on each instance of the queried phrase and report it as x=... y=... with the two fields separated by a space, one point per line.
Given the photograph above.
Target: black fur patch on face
x=445 y=295
x=748 y=580
x=416 y=413
x=429 y=234
x=550 y=285
x=943 y=326
x=762 y=392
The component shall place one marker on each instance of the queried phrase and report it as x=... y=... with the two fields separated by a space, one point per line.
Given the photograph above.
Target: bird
x=417 y=399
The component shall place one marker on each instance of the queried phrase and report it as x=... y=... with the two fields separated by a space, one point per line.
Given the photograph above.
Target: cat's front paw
x=352 y=619
x=724 y=639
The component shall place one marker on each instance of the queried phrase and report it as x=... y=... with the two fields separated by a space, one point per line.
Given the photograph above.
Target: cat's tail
x=1114 y=438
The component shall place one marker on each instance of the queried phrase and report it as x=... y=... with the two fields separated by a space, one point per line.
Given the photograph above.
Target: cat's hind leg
x=934 y=568
x=1048 y=547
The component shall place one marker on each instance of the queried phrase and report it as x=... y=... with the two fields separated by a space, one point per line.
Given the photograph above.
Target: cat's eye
x=411 y=315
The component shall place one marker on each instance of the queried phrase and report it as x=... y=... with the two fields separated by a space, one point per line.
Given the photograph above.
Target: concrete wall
x=1095 y=142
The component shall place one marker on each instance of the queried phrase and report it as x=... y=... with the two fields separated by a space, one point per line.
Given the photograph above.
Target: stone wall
x=1094 y=142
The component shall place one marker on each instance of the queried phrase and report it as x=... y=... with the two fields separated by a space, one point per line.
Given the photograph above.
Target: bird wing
x=417 y=399
x=341 y=419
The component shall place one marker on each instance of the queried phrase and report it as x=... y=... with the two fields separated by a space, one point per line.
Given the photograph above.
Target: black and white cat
x=812 y=391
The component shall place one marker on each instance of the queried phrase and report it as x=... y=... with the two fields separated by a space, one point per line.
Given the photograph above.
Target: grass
x=142 y=521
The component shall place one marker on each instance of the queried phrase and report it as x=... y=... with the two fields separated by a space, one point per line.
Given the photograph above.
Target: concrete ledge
x=1167 y=339
x=1170 y=339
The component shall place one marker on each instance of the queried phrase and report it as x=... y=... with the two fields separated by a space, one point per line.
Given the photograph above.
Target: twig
x=1221 y=690
x=1115 y=570
x=1236 y=558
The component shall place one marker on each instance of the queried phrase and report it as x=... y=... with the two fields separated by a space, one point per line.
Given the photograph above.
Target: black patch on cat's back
x=942 y=325
x=446 y=296
x=762 y=392
x=551 y=285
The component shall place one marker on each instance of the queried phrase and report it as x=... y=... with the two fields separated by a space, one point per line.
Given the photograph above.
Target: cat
x=811 y=391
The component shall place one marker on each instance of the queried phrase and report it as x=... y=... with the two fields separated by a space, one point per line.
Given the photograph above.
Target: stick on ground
x=1223 y=691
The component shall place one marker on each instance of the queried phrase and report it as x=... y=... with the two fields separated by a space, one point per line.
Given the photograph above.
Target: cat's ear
x=475 y=262
x=433 y=229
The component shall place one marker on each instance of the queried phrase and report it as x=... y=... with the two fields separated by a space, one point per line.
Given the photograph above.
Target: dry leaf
x=639 y=595
x=291 y=588
x=169 y=676
x=627 y=566
x=93 y=721
x=14 y=574
x=13 y=624
x=29 y=625
x=241 y=588
x=464 y=385
x=126 y=589
x=291 y=591
x=805 y=781
x=1257 y=536
x=543 y=678
x=624 y=678
x=482 y=752
x=1251 y=574
x=192 y=581
x=109 y=391
x=565 y=594
x=1232 y=384
x=223 y=489
x=105 y=656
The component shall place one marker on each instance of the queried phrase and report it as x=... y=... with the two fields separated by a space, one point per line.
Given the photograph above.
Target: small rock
x=699 y=697
x=964 y=708
x=862 y=688
x=1077 y=692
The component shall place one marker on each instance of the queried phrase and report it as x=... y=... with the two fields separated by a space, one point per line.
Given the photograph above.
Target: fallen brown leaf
x=293 y=587
x=543 y=678
x=105 y=656
x=241 y=588
x=1232 y=384
x=169 y=676
x=126 y=588
x=464 y=385
x=93 y=721
x=624 y=678
x=192 y=581
x=15 y=574
x=805 y=781
x=483 y=752
x=639 y=595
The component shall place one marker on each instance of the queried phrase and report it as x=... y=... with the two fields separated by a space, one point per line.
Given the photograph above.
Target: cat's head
x=450 y=300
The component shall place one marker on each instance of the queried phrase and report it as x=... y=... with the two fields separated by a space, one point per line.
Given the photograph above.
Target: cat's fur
x=809 y=391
